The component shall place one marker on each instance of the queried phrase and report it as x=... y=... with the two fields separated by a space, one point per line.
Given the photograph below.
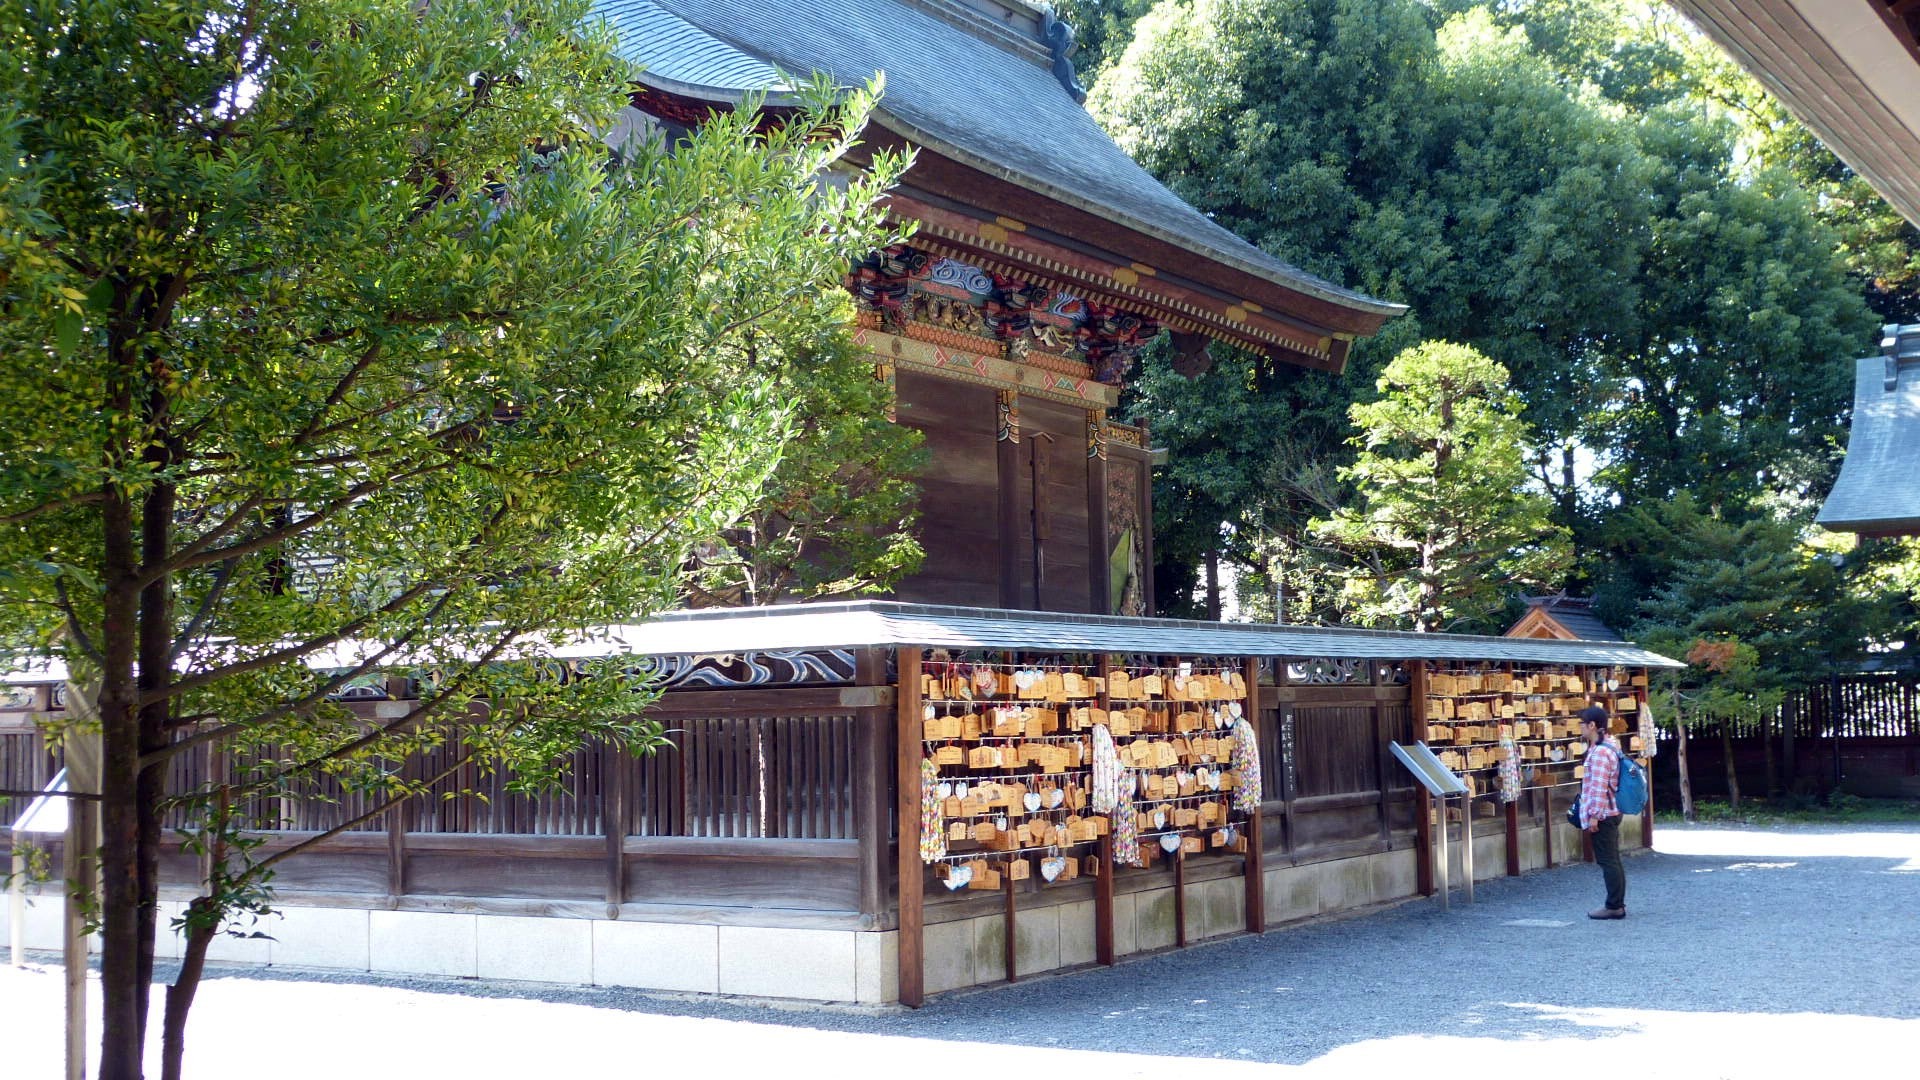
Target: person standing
x=1598 y=814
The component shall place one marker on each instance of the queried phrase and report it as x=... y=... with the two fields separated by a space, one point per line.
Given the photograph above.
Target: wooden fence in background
x=1858 y=734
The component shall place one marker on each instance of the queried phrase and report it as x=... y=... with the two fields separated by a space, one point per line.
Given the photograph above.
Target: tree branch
x=80 y=638
x=288 y=653
x=20 y=517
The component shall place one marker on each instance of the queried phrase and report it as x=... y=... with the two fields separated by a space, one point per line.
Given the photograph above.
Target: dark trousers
x=1606 y=852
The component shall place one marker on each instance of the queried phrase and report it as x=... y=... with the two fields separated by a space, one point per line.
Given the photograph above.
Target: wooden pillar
x=398 y=819
x=1640 y=693
x=613 y=823
x=1180 y=896
x=1099 y=583
x=1513 y=839
x=874 y=755
x=1283 y=750
x=1423 y=811
x=912 y=875
x=1009 y=945
x=1007 y=460
x=1546 y=793
x=1382 y=757
x=1146 y=523
x=1103 y=883
x=1252 y=867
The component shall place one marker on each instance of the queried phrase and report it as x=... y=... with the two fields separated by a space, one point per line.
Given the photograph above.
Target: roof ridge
x=1019 y=31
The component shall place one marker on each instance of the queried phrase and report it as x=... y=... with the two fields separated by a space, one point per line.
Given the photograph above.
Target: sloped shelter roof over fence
x=886 y=623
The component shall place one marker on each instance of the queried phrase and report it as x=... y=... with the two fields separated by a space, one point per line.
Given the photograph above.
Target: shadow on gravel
x=1725 y=926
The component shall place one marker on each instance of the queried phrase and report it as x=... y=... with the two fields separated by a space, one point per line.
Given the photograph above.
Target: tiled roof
x=953 y=91
x=1878 y=491
x=675 y=52
x=886 y=623
x=1576 y=615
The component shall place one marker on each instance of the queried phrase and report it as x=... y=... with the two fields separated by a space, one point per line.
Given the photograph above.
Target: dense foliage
x=341 y=344
x=1440 y=516
x=1674 y=274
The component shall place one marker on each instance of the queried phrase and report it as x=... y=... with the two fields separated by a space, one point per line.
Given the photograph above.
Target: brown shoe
x=1607 y=913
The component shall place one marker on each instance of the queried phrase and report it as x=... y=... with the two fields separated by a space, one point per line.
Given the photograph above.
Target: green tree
x=1669 y=312
x=1443 y=501
x=349 y=349
x=838 y=513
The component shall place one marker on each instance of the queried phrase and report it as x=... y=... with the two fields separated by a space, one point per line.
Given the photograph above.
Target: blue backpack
x=1631 y=794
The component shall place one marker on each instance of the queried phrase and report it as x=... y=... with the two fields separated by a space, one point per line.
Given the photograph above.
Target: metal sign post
x=1441 y=782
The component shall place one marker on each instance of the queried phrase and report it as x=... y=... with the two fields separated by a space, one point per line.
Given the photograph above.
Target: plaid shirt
x=1597 y=786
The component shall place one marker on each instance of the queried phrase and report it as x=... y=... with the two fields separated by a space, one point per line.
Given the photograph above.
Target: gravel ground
x=1748 y=953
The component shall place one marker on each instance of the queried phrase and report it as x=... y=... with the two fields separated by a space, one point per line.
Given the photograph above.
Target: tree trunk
x=193 y=962
x=1733 y=776
x=121 y=987
x=1770 y=771
x=1686 y=775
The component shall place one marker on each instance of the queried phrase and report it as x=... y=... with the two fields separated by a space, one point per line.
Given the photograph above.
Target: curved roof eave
x=915 y=136
x=1334 y=295
x=945 y=89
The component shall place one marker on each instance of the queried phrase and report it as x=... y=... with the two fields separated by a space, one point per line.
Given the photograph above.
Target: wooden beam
x=1103 y=884
x=1099 y=587
x=1007 y=469
x=613 y=823
x=1423 y=812
x=781 y=701
x=1513 y=839
x=1180 y=896
x=873 y=752
x=1253 y=865
x=912 y=874
x=1010 y=945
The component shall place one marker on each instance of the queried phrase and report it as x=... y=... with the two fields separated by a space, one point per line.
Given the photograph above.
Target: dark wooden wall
x=1036 y=495
x=959 y=491
x=1050 y=516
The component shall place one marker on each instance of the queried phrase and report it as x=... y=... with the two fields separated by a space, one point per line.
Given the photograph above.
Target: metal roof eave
x=890 y=624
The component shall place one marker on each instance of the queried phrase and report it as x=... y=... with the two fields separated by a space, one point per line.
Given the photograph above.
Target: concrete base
x=810 y=964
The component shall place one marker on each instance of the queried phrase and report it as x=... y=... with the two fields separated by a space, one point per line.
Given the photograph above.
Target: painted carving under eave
x=905 y=285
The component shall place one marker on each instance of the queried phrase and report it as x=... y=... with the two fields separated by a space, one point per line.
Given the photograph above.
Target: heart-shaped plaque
x=1056 y=796
x=960 y=789
x=958 y=876
x=1053 y=866
x=1160 y=819
x=1032 y=799
x=945 y=790
x=1229 y=834
x=1170 y=842
x=926 y=712
x=1213 y=780
x=1234 y=710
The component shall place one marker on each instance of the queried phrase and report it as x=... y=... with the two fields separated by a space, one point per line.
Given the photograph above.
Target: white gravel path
x=1750 y=953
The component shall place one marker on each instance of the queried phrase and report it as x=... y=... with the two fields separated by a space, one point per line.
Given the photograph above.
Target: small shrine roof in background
x=1878 y=492
x=1563 y=617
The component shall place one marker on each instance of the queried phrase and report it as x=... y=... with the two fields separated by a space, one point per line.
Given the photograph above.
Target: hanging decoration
x=1649 y=734
x=1106 y=771
x=1246 y=762
x=933 y=834
x=1509 y=770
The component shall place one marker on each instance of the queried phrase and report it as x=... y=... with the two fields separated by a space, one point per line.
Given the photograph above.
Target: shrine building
x=1005 y=769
